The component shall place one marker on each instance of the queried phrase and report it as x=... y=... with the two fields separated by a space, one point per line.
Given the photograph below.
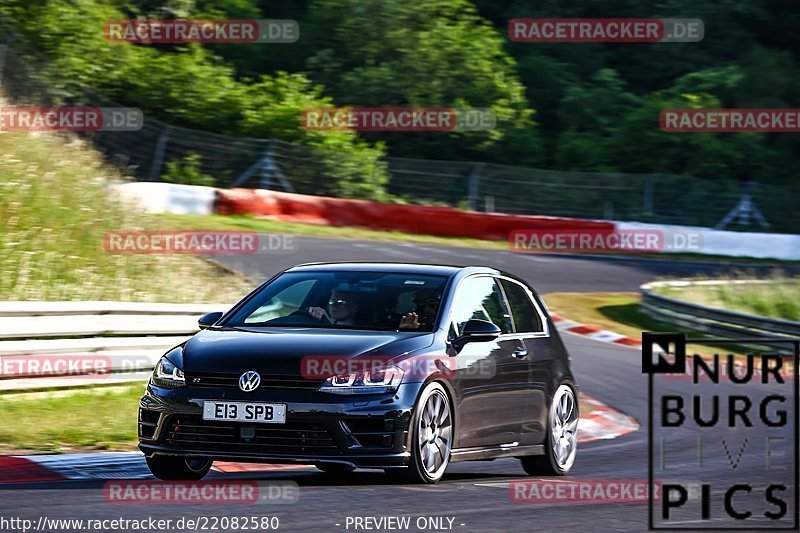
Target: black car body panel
x=500 y=390
x=212 y=351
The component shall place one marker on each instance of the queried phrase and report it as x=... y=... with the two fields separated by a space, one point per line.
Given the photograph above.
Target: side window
x=284 y=303
x=526 y=319
x=480 y=298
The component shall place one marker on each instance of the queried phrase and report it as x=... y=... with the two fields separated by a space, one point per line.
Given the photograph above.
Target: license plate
x=253 y=413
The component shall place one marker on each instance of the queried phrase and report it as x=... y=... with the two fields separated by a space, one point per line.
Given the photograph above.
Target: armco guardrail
x=711 y=320
x=131 y=336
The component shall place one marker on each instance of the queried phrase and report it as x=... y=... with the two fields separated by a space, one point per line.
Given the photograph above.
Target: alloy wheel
x=435 y=433
x=564 y=427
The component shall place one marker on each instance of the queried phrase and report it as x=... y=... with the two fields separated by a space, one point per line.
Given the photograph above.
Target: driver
x=342 y=308
x=427 y=307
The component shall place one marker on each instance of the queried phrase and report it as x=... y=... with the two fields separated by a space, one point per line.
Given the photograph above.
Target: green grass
x=620 y=312
x=67 y=421
x=778 y=298
x=54 y=211
x=614 y=311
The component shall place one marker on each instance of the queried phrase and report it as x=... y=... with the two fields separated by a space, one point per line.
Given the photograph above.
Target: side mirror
x=477 y=331
x=206 y=321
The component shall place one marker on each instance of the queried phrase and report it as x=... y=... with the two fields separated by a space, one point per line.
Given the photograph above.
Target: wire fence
x=229 y=161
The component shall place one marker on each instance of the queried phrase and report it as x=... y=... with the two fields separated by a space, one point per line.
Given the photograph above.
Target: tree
x=589 y=115
x=428 y=53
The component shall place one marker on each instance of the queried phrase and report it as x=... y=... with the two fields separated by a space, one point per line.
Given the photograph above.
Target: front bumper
x=359 y=430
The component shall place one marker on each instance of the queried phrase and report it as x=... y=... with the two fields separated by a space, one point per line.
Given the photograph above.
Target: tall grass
x=100 y=418
x=778 y=298
x=54 y=210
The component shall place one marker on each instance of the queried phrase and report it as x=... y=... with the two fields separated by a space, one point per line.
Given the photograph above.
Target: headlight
x=374 y=381
x=166 y=374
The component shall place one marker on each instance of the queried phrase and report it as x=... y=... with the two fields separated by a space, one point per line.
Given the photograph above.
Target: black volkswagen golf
x=399 y=367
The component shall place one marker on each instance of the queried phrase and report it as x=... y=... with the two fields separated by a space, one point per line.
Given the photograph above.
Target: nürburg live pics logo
x=723 y=441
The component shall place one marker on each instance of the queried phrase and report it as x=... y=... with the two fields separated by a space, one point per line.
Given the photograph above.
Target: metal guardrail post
x=474 y=178
x=3 y=52
x=649 y=193
x=5 y=43
x=158 y=158
x=745 y=213
x=267 y=171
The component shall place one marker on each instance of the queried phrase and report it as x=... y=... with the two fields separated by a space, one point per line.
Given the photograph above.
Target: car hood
x=281 y=351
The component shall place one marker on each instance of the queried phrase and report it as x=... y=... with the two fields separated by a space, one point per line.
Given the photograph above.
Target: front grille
x=371 y=433
x=292 y=438
x=148 y=420
x=268 y=381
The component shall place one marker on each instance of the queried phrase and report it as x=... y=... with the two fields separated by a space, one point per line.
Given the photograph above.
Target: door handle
x=521 y=352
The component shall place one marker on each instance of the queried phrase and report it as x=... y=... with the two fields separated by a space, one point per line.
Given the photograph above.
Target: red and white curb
x=602 y=335
x=600 y=423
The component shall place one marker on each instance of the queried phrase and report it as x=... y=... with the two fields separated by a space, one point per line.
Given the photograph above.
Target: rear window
x=526 y=318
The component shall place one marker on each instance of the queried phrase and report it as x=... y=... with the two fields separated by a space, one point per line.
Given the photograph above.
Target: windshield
x=345 y=300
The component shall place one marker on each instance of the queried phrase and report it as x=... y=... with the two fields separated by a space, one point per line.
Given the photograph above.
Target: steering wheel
x=305 y=313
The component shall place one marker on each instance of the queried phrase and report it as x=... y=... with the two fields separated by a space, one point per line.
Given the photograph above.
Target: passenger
x=427 y=307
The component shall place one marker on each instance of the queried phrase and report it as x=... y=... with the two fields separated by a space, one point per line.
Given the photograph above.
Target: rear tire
x=431 y=437
x=562 y=437
x=334 y=468
x=176 y=468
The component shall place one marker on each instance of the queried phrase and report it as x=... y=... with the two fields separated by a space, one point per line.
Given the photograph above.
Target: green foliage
x=341 y=164
x=777 y=298
x=436 y=53
x=188 y=85
x=590 y=115
x=187 y=172
x=581 y=107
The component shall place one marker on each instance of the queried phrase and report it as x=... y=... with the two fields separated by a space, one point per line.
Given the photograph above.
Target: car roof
x=400 y=268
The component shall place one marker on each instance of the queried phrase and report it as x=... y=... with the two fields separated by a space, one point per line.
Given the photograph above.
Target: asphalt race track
x=475 y=494
x=547 y=272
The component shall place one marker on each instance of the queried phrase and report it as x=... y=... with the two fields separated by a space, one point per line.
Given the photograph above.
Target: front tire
x=176 y=468
x=431 y=436
x=562 y=437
